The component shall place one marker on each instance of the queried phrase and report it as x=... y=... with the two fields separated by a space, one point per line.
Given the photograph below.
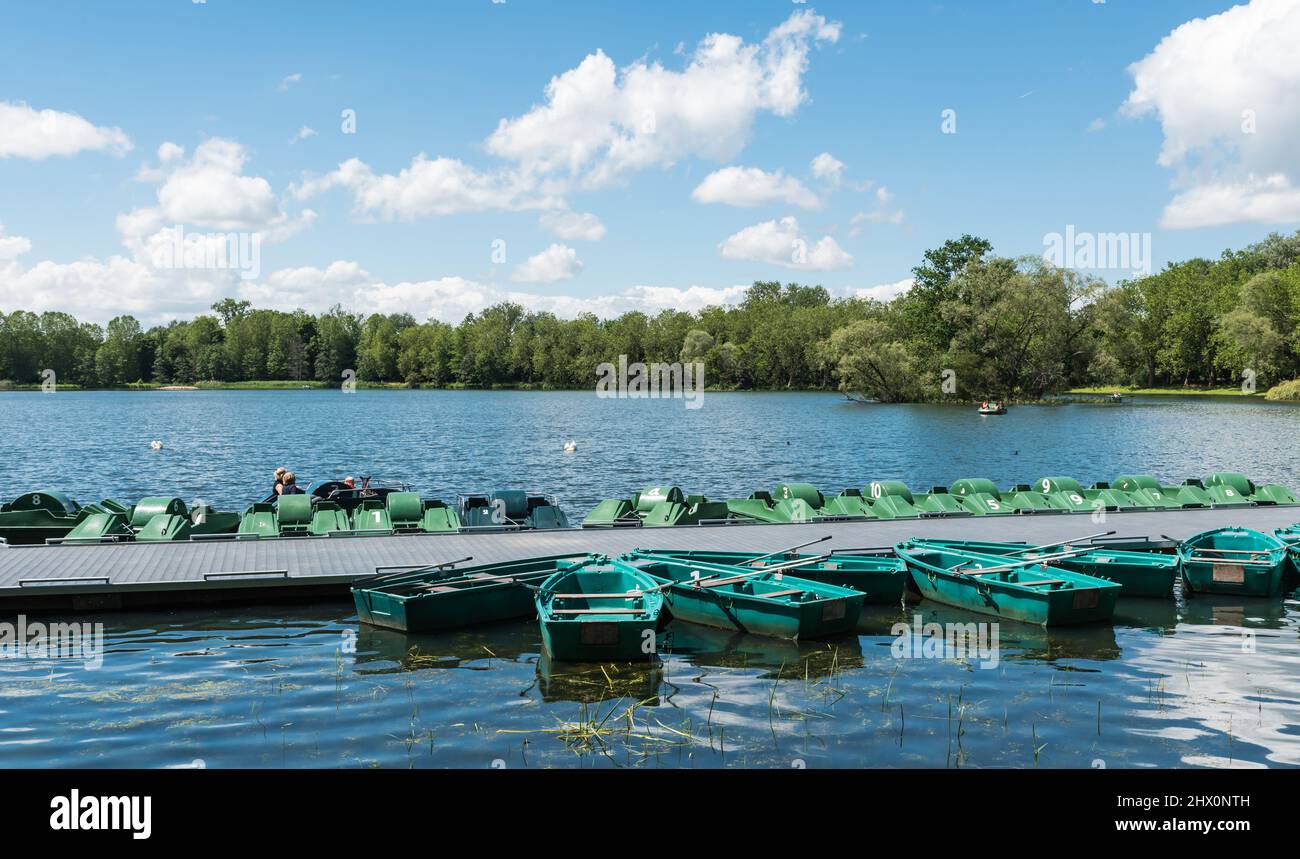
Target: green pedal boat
x=880 y=578
x=595 y=611
x=437 y=597
x=1234 y=561
x=1140 y=574
x=767 y=601
x=1031 y=591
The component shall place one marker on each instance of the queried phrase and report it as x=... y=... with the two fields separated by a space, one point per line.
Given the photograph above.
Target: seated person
x=291 y=486
x=279 y=481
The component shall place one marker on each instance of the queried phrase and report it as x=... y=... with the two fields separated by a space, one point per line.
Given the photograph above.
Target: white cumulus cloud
x=35 y=134
x=573 y=225
x=1226 y=89
x=883 y=291
x=12 y=247
x=748 y=187
x=428 y=187
x=557 y=262
x=600 y=122
x=784 y=243
x=828 y=168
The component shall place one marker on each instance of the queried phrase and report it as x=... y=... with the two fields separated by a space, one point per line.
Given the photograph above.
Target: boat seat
x=597 y=611
x=1045 y=582
x=776 y=594
x=647 y=498
x=635 y=596
x=292 y=511
x=147 y=508
x=547 y=517
x=514 y=501
x=405 y=509
x=713 y=583
x=438 y=589
x=484 y=577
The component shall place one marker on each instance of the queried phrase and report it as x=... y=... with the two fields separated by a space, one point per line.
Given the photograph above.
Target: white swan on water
x=570 y=446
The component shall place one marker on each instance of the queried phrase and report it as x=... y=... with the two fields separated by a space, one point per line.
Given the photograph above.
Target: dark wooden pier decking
x=124 y=575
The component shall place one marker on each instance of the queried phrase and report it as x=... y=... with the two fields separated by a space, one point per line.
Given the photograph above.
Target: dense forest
x=974 y=325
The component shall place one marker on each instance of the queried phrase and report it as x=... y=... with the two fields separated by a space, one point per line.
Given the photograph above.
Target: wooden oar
x=862 y=550
x=1236 y=551
x=791 y=549
x=780 y=568
x=1045 y=559
x=1066 y=542
x=1027 y=548
x=788 y=565
x=383 y=577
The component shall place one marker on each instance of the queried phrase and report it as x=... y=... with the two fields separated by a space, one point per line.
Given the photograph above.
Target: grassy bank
x=1158 y=392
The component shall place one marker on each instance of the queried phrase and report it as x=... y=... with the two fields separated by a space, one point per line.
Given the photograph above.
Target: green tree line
x=974 y=325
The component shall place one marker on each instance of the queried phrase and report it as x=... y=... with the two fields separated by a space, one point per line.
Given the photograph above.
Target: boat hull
x=1236 y=561
x=1077 y=599
x=1228 y=578
x=595 y=611
x=821 y=618
x=1139 y=574
x=882 y=580
x=442 y=600
x=600 y=640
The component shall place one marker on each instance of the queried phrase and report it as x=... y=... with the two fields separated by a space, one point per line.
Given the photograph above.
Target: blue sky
x=189 y=114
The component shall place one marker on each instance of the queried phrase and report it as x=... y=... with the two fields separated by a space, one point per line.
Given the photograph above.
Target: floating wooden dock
x=157 y=575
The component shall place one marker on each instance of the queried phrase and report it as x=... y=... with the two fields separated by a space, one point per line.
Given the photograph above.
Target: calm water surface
x=1203 y=682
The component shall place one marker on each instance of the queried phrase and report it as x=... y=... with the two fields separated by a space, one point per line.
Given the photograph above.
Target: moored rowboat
x=437 y=598
x=592 y=610
x=1031 y=591
x=1140 y=574
x=765 y=601
x=881 y=579
x=1233 y=561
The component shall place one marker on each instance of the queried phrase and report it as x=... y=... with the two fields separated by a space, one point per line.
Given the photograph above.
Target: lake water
x=1206 y=682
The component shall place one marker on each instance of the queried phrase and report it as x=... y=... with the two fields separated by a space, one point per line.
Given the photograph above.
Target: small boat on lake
x=1234 y=561
x=1034 y=591
x=992 y=408
x=440 y=597
x=593 y=611
x=765 y=601
x=1140 y=574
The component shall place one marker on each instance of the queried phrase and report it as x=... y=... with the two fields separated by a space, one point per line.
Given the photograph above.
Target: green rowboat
x=1140 y=574
x=1233 y=561
x=437 y=598
x=881 y=579
x=768 y=601
x=596 y=612
x=1291 y=536
x=1030 y=591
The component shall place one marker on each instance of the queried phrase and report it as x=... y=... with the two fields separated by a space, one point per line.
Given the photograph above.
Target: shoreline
x=1060 y=398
